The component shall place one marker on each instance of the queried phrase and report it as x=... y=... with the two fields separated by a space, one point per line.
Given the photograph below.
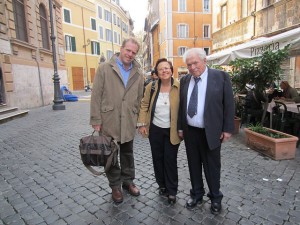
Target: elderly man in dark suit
x=205 y=120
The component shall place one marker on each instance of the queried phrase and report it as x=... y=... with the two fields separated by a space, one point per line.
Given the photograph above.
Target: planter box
x=277 y=149
x=237 y=125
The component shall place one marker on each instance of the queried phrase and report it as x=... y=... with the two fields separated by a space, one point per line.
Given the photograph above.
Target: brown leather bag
x=98 y=150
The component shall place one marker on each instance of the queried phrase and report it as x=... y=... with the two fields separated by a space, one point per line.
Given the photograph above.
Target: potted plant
x=258 y=71
x=272 y=143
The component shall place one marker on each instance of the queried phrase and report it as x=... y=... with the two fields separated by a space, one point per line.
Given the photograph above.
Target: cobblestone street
x=43 y=181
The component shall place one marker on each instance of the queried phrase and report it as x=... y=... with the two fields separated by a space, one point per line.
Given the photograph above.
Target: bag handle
x=113 y=156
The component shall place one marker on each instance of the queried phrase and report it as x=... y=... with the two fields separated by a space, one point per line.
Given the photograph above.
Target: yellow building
x=91 y=29
x=179 y=25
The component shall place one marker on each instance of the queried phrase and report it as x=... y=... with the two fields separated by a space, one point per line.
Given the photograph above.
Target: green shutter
x=73 y=44
x=98 y=48
x=67 y=16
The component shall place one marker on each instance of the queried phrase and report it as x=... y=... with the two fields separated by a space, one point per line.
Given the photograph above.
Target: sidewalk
x=42 y=180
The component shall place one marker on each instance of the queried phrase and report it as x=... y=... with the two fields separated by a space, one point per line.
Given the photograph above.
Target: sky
x=138 y=12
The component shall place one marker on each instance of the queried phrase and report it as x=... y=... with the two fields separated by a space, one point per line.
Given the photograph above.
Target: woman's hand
x=143 y=131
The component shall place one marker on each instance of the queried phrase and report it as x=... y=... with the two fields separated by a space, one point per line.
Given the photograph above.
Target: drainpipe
x=85 y=45
x=254 y=19
x=40 y=81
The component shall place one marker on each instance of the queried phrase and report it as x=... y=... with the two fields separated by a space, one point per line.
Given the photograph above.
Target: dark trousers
x=126 y=172
x=199 y=155
x=164 y=156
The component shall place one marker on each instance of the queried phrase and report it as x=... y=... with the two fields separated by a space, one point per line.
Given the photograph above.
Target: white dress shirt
x=198 y=119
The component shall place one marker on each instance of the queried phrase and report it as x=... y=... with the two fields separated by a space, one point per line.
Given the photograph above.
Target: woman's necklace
x=165 y=97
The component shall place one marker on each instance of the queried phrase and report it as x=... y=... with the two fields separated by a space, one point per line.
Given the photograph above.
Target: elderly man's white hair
x=198 y=51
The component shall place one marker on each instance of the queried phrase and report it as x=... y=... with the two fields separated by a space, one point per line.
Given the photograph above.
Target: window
x=266 y=3
x=119 y=39
x=223 y=15
x=20 y=20
x=118 y=2
x=182 y=31
x=107 y=16
x=206 y=5
x=108 y=35
x=115 y=37
x=100 y=32
x=67 y=16
x=109 y=54
x=244 y=8
x=206 y=31
x=93 y=24
x=115 y=20
x=95 y=48
x=206 y=50
x=118 y=21
x=181 y=5
x=44 y=27
x=70 y=43
x=99 y=12
x=181 y=50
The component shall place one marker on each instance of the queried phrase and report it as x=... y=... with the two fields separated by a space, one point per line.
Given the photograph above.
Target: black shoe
x=163 y=192
x=172 y=199
x=215 y=208
x=192 y=202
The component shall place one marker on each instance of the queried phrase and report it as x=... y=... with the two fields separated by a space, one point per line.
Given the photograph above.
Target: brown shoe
x=116 y=194
x=132 y=189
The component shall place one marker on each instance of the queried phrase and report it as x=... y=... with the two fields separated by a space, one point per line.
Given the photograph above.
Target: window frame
x=179 y=27
x=93 y=25
x=70 y=15
x=179 y=50
x=70 y=42
x=95 y=48
x=204 y=31
x=44 y=26
x=19 y=12
x=181 y=5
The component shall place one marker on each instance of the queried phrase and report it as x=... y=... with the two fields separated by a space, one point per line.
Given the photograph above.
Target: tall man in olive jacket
x=205 y=125
x=115 y=102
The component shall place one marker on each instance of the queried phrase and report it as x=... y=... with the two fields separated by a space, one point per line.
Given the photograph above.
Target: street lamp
x=58 y=102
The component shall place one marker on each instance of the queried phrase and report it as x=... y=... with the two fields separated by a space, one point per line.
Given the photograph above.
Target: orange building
x=175 y=26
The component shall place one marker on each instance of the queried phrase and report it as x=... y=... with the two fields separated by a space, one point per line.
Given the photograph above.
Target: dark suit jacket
x=219 y=106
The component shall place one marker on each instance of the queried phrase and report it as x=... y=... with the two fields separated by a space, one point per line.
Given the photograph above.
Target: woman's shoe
x=162 y=191
x=172 y=199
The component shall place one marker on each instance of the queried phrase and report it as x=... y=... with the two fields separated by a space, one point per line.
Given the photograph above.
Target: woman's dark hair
x=160 y=61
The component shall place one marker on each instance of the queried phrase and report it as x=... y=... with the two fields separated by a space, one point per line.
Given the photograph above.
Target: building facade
x=93 y=32
x=26 y=60
x=249 y=21
x=175 y=26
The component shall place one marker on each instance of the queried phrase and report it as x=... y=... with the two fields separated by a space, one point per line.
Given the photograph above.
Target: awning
x=256 y=47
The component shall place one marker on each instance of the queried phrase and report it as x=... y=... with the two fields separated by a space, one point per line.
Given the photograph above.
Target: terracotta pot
x=237 y=124
x=275 y=148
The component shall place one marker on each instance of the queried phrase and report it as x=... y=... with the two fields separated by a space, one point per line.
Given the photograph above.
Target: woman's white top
x=162 y=111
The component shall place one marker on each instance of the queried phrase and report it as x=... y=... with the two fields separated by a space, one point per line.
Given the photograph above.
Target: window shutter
x=98 y=48
x=73 y=44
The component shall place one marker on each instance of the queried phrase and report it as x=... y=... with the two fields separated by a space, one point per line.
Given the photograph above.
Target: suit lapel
x=209 y=88
x=185 y=91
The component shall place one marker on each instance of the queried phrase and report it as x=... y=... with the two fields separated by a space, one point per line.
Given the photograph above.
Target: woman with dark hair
x=158 y=118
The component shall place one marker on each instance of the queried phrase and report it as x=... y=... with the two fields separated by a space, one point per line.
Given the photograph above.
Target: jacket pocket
x=106 y=108
x=135 y=111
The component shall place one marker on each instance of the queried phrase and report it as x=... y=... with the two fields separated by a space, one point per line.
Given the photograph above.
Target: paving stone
x=46 y=183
